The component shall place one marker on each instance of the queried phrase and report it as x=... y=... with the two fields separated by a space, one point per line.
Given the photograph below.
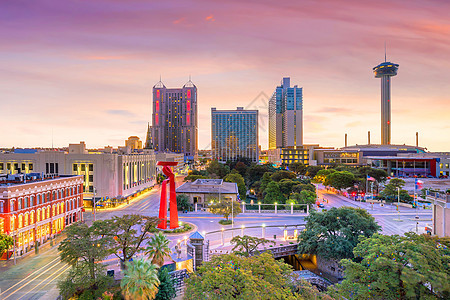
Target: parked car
x=321 y=205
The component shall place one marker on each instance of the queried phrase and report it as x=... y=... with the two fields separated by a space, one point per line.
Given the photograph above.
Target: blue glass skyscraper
x=234 y=134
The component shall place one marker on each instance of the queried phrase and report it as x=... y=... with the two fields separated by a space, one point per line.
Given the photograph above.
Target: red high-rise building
x=33 y=209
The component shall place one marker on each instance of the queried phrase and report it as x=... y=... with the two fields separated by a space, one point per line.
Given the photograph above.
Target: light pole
x=93 y=201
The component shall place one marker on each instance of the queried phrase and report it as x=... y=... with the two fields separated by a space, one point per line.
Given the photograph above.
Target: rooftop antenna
x=159 y=77
x=385 y=51
x=189 y=77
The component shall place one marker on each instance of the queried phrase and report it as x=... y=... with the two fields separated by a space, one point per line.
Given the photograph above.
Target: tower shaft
x=386 y=110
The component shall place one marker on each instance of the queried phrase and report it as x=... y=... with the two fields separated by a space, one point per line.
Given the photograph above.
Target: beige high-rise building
x=133 y=142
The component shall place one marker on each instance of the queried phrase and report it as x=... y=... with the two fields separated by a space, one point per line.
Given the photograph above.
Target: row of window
x=23 y=220
x=16 y=166
x=26 y=202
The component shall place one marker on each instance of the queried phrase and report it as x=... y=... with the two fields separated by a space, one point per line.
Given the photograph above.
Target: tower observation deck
x=385 y=71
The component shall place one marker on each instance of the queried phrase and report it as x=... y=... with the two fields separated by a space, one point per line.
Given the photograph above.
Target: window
x=30 y=167
x=91 y=178
x=31 y=201
x=83 y=168
x=1 y=166
x=23 y=167
x=16 y=166
x=20 y=221
x=75 y=167
x=8 y=166
x=25 y=220
x=31 y=218
x=91 y=189
x=11 y=206
x=1 y=207
x=91 y=167
x=25 y=203
x=38 y=215
x=19 y=204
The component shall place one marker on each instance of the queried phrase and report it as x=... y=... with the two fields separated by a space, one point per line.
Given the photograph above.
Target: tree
x=232 y=276
x=256 y=172
x=340 y=180
x=239 y=180
x=265 y=181
x=140 y=280
x=379 y=174
x=83 y=248
x=278 y=175
x=304 y=197
x=398 y=267
x=245 y=245
x=286 y=186
x=166 y=289
x=241 y=168
x=224 y=208
x=390 y=191
x=160 y=178
x=334 y=233
x=158 y=249
x=322 y=175
x=128 y=240
x=216 y=169
x=298 y=168
x=311 y=171
x=273 y=194
x=183 y=202
x=303 y=187
x=5 y=242
x=192 y=177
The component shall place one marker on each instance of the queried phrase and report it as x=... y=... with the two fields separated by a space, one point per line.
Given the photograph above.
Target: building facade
x=34 y=208
x=174 y=121
x=202 y=191
x=286 y=116
x=234 y=134
x=133 y=142
x=107 y=173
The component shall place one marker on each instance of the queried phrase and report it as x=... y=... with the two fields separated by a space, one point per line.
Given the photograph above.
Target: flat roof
x=208 y=186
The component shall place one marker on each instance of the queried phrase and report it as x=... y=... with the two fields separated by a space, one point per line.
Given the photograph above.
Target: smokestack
x=345 y=140
x=417 y=139
x=368 y=137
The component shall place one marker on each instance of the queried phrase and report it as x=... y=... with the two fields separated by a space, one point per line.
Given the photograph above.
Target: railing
x=439 y=195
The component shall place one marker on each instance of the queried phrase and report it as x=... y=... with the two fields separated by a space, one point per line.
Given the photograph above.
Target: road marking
x=51 y=280
x=27 y=277
x=64 y=266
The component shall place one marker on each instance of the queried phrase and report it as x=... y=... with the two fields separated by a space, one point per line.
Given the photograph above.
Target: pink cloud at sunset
x=85 y=69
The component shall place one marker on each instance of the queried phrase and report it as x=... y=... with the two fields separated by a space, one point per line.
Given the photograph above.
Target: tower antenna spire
x=385 y=51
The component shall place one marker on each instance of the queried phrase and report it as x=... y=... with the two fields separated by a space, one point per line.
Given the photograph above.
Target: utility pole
x=93 y=201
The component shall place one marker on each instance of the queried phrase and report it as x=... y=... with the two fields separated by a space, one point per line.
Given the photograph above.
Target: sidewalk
x=6 y=264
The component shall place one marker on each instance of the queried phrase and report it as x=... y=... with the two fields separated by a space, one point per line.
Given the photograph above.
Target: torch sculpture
x=167 y=170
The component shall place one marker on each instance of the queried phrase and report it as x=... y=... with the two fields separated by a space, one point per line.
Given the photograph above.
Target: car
x=321 y=205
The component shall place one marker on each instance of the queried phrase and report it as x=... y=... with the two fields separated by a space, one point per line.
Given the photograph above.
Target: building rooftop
x=7 y=180
x=208 y=186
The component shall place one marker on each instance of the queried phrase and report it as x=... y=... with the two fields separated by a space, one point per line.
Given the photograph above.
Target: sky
x=75 y=71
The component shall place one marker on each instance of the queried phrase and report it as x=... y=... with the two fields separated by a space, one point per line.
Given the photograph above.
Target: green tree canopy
x=379 y=174
x=273 y=194
x=398 y=267
x=303 y=187
x=255 y=172
x=224 y=208
x=5 y=242
x=241 y=168
x=233 y=276
x=298 y=168
x=216 y=169
x=239 y=180
x=140 y=280
x=286 y=186
x=311 y=171
x=192 y=177
x=282 y=174
x=390 y=191
x=127 y=239
x=166 y=289
x=244 y=245
x=334 y=233
x=183 y=202
x=322 y=174
x=158 y=249
x=304 y=197
x=340 y=180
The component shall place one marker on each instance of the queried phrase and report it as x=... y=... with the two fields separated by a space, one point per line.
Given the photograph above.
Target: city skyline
x=86 y=70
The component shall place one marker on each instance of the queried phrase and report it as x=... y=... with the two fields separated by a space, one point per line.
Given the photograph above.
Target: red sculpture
x=167 y=170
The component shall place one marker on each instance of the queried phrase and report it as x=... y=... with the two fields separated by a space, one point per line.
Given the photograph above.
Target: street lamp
x=93 y=201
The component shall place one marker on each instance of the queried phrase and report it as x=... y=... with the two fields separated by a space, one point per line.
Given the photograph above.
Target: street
x=36 y=276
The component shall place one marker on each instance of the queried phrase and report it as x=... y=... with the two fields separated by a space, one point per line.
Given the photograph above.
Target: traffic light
x=353 y=194
x=362 y=194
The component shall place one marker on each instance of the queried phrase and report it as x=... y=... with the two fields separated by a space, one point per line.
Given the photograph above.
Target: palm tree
x=158 y=249
x=140 y=280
